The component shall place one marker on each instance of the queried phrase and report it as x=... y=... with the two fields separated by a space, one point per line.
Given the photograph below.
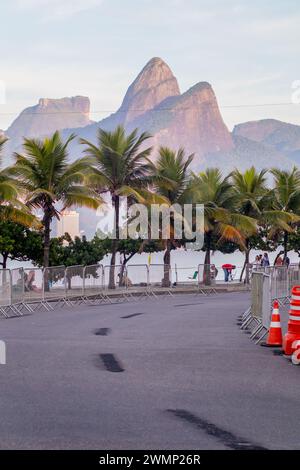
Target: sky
x=248 y=51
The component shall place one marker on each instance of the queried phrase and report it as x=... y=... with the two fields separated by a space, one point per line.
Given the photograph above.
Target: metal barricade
x=185 y=276
x=137 y=279
x=54 y=285
x=160 y=279
x=260 y=310
x=293 y=276
x=5 y=292
x=207 y=275
x=17 y=285
x=279 y=279
x=33 y=285
x=93 y=281
x=74 y=279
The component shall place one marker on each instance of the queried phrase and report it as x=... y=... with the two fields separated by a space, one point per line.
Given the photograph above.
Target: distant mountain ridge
x=281 y=136
x=191 y=119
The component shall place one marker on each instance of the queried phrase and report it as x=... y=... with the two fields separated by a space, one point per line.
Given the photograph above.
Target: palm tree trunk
x=46 y=259
x=47 y=222
x=115 y=243
x=167 y=262
x=246 y=263
x=207 y=279
x=4 y=260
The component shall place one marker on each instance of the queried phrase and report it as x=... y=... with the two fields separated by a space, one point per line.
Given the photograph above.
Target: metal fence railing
x=5 y=287
x=267 y=284
x=93 y=280
x=74 y=280
x=24 y=288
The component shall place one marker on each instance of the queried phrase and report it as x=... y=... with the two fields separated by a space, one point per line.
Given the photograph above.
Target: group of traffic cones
x=291 y=341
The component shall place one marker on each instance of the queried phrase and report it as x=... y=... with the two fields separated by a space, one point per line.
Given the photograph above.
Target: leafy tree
x=49 y=179
x=130 y=247
x=18 y=242
x=64 y=251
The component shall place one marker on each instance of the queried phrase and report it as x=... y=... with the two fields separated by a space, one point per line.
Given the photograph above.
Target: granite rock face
x=191 y=120
x=48 y=116
x=153 y=103
x=153 y=84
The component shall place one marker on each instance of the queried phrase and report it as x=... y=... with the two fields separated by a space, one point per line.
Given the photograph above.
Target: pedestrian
x=265 y=260
x=287 y=261
x=256 y=262
x=228 y=268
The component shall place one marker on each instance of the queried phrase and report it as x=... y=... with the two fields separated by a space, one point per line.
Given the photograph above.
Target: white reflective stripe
x=275 y=324
x=294 y=318
x=296 y=297
x=295 y=307
x=275 y=311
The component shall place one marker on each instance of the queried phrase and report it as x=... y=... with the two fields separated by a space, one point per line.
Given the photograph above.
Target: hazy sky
x=248 y=51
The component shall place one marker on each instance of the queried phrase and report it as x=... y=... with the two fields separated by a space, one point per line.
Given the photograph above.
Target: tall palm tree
x=11 y=208
x=285 y=197
x=50 y=180
x=250 y=189
x=171 y=180
x=221 y=218
x=121 y=168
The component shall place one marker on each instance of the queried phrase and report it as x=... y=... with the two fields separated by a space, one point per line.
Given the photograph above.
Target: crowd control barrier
x=25 y=290
x=268 y=284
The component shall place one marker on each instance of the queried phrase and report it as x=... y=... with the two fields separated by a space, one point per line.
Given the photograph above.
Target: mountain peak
x=153 y=84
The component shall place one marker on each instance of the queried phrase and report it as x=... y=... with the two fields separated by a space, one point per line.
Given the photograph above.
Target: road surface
x=171 y=373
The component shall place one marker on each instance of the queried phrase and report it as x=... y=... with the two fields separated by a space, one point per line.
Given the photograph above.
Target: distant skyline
x=249 y=52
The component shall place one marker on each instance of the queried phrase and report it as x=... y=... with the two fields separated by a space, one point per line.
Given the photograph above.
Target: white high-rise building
x=68 y=223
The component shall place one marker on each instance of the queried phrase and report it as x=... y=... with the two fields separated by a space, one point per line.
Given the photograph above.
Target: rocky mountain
x=273 y=134
x=152 y=86
x=46 y=117
x=153 y=103
x=192 y=119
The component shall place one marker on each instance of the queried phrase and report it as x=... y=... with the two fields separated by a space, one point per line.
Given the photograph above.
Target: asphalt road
x=172 y=373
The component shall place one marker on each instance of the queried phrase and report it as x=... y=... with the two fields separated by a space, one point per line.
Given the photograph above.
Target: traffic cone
x=275 y=333
x=293 y=333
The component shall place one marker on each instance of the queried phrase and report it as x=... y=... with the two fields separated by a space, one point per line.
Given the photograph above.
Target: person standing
x=279 y=261
x=265 y=260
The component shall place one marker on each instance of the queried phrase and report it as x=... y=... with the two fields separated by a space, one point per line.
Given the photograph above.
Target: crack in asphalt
x=226 y=437
x=133 y=315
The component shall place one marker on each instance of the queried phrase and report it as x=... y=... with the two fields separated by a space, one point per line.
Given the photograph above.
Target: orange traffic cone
x=275 y=333
x=293 y=333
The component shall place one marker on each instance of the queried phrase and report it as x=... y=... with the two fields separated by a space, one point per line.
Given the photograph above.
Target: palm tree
x=49 y=179
x=221 y=219
x=285 y=197
x=250 y=189
x=121 y=168
x=11 y=208
x=171 y=180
